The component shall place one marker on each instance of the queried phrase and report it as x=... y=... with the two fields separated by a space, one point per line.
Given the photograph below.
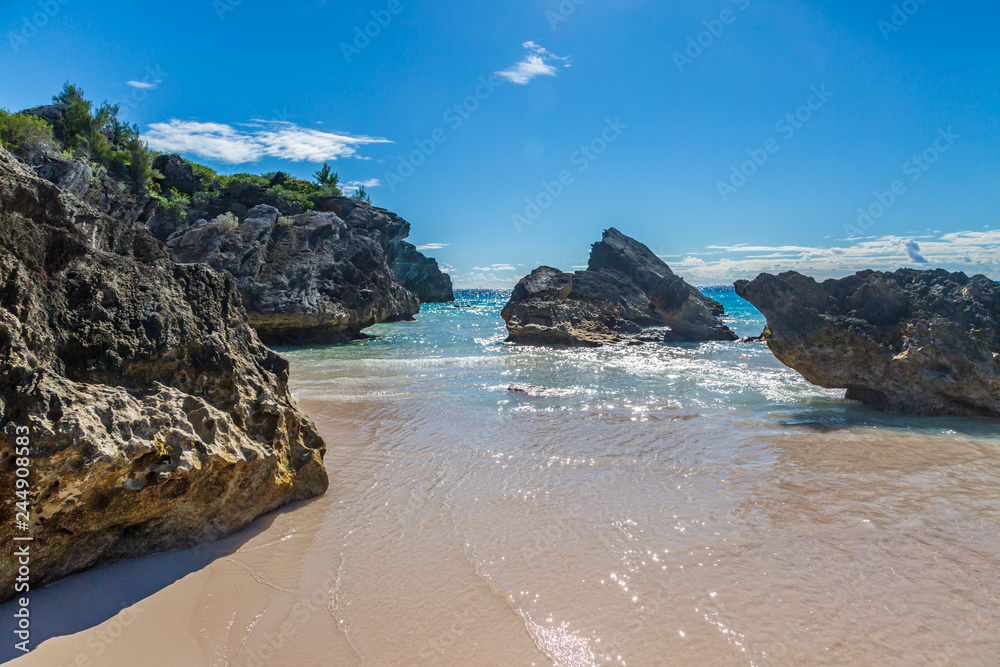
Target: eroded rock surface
x=421 y=275
x=309 y=278
x=156 y=417
x=625 y=291
x=922 y=342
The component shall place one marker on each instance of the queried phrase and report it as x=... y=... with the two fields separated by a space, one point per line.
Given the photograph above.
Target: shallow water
x=699 y=504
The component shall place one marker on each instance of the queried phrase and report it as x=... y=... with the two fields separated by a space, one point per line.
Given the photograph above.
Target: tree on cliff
x=327 y=177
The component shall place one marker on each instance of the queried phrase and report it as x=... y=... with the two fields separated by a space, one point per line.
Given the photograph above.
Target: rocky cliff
x=320 y=276
x=310 y=278
x=625 y=290
x=421 y=275
x=922 y=342
x=156 y=418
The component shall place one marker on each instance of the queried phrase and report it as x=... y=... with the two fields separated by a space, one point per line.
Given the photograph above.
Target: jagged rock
x=72 y=176
x=311 y=278
x=421 y=275
x=54 y=115
x=922 y=342
x=177 y=174
x=625 y=289
x=156 y=417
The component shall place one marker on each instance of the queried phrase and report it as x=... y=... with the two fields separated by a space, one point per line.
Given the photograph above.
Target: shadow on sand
x=82 y=601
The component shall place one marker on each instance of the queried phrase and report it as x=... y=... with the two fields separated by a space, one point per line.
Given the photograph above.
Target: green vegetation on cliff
x=74 y=127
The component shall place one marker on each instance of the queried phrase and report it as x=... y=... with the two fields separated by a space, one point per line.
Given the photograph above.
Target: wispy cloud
x=969 y=251
x=495 y=267
x=432 y=246
x=538 y=62
x=145 y=85
x=250 y=142
x=353 y=186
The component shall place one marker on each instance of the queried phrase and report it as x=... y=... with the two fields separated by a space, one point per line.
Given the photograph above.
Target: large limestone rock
x=922 y=342
x=421 y=275
x=310 y=278
x=156 y=417
x=625 y=289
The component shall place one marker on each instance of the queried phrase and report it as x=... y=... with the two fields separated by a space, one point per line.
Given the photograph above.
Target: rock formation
x=156 y=418
x=310 y=278
x=315 y=277
x=421 y=275
x=920 y=342
x=625 y=289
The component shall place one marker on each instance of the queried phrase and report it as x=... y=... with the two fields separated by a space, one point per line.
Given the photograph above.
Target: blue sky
x=732 y=137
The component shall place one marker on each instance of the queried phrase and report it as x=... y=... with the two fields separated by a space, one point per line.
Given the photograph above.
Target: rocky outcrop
x=309 y=278
x=176 y=173
x=920 y=342
x=72 y=176
x=625 y=290
x=421 y=275
x=55 y=115
x=155 y=418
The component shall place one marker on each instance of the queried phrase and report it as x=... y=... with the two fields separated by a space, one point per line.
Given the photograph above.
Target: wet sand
x=444 y=541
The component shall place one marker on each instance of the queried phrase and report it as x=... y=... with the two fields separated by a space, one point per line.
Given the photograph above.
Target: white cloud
x=538 y=62
x=495 y=267
x=971 y=252
x=432 y=246
x=485 y=280
x=352 y=186
x=250 y=142
x=145 y=85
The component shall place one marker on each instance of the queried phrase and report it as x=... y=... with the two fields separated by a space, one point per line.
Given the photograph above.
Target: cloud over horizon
x=251 y=142
x=968 y=251
x=539 y=62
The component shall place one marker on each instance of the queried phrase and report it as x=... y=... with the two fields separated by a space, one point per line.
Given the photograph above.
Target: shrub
x=228 y=221
x=175 y=205
x=285 y=221
x=361 y=196
x=25 y=135
x=288 y=201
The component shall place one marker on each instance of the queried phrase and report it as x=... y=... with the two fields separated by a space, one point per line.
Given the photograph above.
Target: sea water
x=655 y=504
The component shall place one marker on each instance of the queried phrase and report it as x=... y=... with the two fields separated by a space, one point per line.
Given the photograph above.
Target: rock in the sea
x=919 y=342
x=152 y=415
x=421 y=275
x=311 y=278
x=625 y=289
